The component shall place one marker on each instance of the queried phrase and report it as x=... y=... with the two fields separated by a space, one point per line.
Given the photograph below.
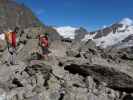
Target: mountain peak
x=126 y=21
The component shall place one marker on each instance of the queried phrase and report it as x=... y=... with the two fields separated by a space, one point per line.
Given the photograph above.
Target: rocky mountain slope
x=12 y=14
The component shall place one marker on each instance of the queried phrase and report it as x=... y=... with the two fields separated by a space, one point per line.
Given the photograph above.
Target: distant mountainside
x=13 y=14
x=72 y=32
x=117 y=35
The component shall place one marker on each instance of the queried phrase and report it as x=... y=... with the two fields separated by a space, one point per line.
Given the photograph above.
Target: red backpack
x=44 y=41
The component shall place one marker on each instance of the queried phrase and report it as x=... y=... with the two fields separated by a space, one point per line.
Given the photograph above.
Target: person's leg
x=46 y=53
x=9 y=59
x=43 y=53
x=10 y=55
x=14 y=57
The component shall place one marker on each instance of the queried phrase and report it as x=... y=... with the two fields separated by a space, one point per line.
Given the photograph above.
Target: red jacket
x=14 y=39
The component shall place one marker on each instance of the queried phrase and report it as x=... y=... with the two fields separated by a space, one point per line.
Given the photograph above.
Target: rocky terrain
x=75 y=70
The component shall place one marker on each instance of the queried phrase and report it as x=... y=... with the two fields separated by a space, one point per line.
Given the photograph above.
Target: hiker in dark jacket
x=43 y=42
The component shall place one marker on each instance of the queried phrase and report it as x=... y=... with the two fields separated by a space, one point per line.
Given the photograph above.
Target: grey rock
x=80 y=33
x=54 y=96
x=90 y=44
x=24 y=53
x=73 y=53
x=38 y=89
x=53 y=34
x=2 y=45
x=128 y=97
x=113 y=78
x=90 y=84
x=44 y=71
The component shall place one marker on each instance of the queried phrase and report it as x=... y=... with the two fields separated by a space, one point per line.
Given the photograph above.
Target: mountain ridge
x=112 y=35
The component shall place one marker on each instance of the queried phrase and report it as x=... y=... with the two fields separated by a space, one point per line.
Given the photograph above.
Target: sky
x=90 y=14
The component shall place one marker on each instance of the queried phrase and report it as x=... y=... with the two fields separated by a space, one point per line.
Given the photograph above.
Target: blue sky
x=91 y=14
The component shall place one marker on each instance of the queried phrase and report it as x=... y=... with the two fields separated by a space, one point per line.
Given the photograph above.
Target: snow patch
x=127 y=21
x=66 y=31
x=88 y=36
x=113 y=39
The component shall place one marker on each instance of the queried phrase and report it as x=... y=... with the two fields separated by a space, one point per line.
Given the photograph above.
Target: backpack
x=44 y=41
x=8 y=37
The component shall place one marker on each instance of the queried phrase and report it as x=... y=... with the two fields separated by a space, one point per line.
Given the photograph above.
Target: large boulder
x=53 y=34
x=33 y=69
x=90 y=44
x=80 y=33
x=73 y=53
x=82 y=49
x=31 y=46
x=2 y=45
x=113 y=78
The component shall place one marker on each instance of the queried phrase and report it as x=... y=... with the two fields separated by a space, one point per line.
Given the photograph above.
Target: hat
x=45 y=33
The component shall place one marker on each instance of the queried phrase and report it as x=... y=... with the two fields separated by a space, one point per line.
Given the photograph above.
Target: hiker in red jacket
x=43 y=41
x=12 y=46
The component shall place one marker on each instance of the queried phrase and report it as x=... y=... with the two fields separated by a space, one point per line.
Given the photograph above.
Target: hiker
x=10 y=38
x=43 y=42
